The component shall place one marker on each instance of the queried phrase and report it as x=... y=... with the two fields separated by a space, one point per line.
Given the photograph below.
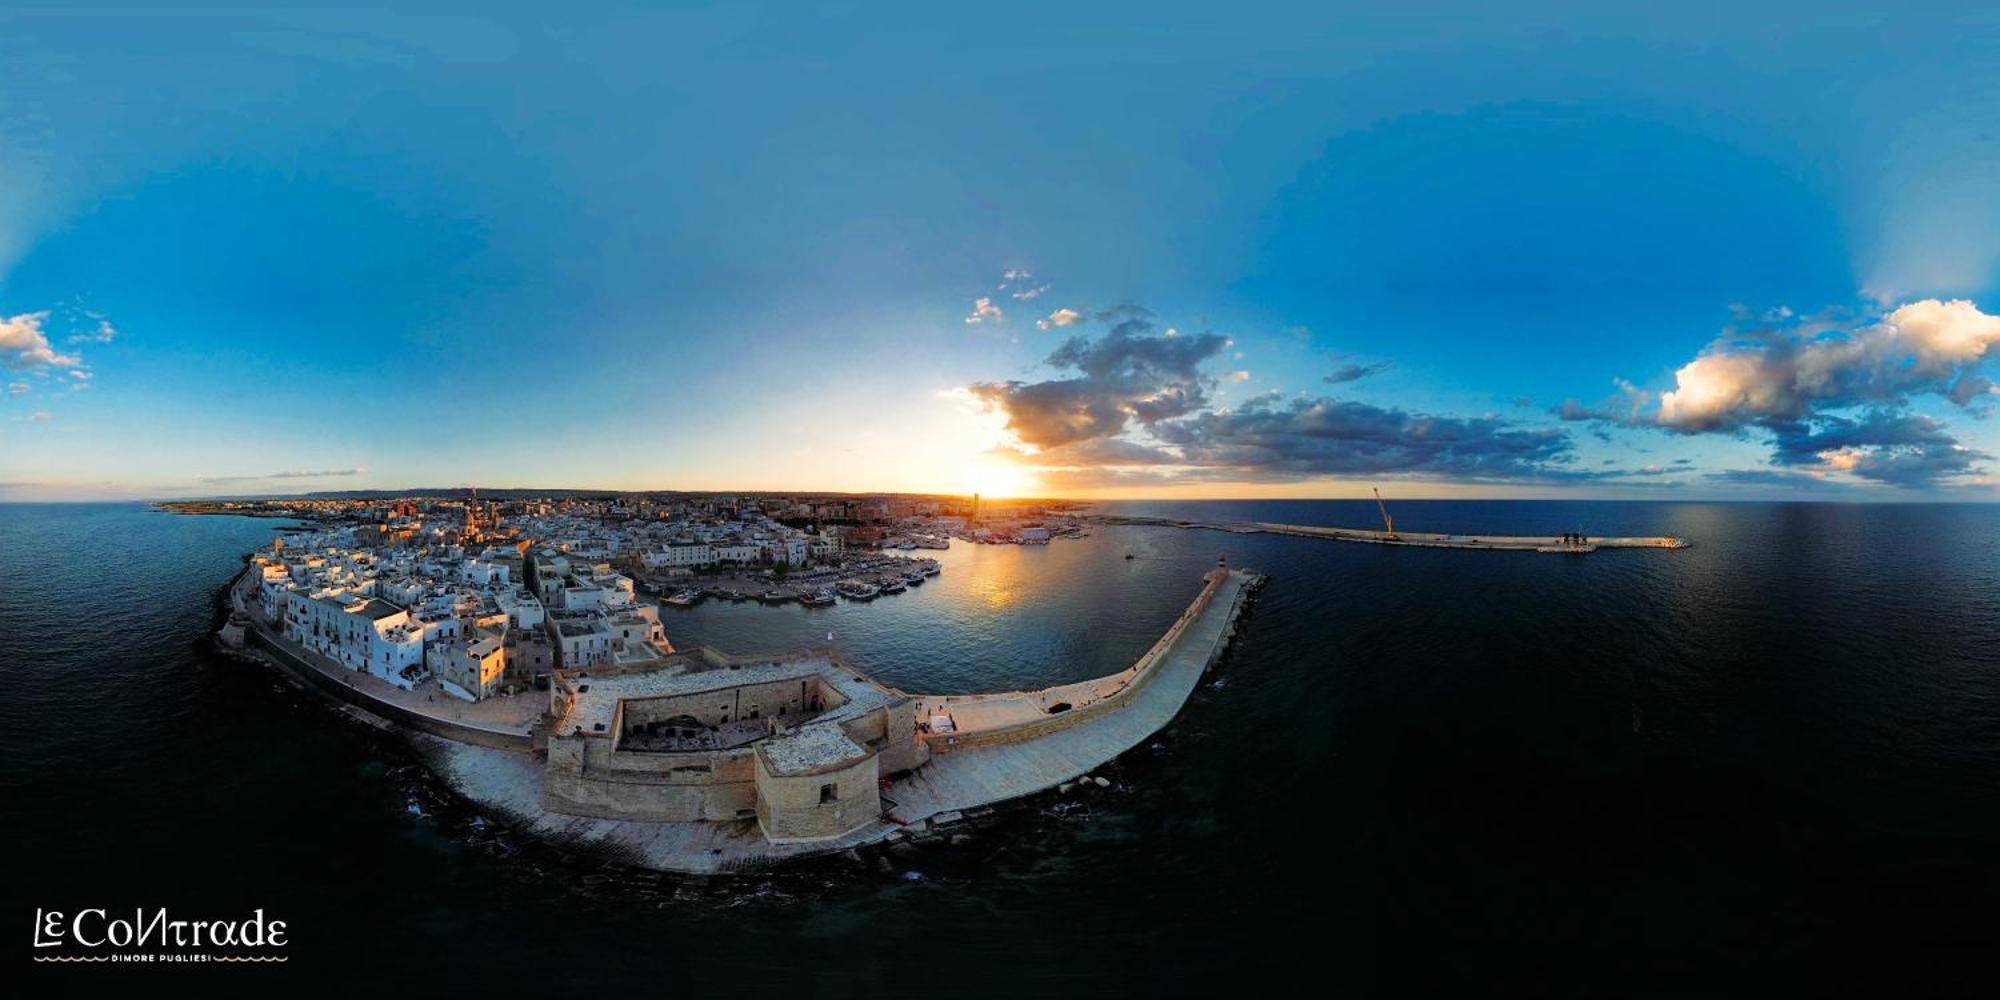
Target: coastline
x=500 y=773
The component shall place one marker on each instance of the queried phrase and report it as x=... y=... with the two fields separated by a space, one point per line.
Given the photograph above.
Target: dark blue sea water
x=1769 y=763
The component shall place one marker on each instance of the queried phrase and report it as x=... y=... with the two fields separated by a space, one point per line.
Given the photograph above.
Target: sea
x=1766 y=764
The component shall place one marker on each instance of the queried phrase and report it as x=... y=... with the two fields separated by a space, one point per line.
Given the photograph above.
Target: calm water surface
x=1767 y=763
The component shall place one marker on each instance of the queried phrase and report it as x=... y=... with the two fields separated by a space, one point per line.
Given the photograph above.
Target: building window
x=828 y=793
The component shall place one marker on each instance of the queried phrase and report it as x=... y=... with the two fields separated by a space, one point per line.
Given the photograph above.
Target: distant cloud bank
x=327 y=474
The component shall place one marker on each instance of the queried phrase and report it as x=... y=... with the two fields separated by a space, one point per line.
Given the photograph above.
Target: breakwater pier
x=1419 y=539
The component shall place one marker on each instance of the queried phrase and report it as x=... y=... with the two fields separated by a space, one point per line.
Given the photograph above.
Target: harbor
x=859 y=579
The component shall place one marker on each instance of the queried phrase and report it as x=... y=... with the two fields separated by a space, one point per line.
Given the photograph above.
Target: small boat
x=933 y=569
x=855 y=590
x=817 y=599
x=891 y=585
x=1128 y=555
x=914 y=578
x=684 y=598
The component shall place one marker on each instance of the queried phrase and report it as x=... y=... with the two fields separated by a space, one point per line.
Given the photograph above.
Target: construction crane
x=1388 y=523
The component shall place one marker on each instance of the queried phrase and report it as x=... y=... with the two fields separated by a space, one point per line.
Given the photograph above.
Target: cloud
x=1356 y=372
x=1237 y=376
x=1624 y=408
x=1021 y=285
x=100 y=333
x=1300 y=438
x=1061 y=317
x=328 y=474
x=1790 y=373
x=1776 y=477
x=983 y=311
x=1127 y=375
x=16 y=388
x=1133 y=382
x=1831 y=393
x=25 y=347
x=40 y=416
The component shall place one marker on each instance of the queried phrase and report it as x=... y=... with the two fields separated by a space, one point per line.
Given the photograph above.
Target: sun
x=991 y=479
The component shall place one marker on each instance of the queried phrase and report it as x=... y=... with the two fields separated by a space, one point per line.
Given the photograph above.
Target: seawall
x=1416 y=539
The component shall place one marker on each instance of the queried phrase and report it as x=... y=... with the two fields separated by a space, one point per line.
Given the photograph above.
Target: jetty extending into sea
x=1418 y=539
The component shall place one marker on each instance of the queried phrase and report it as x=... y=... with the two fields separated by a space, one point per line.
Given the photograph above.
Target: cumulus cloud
x=1788 y=374
x=24 y=345
x=327 y=474
x=1833 y=394
x=1061 y=317
x=17 y=388
x=1355 y=372
x=1238 y=376
x=1127 y=375
x=984 y=311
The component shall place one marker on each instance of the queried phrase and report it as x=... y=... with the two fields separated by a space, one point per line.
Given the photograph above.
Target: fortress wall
x=586 y=778
x=725 y=704
x=793 y=809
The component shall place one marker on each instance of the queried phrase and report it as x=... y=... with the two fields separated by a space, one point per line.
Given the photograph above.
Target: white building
x=471 y=670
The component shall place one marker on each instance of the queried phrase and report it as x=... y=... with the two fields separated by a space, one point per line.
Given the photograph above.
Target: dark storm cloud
x=1773 y=477
x=1900 y=449
x=1802 y=443
x=1318 y=437
x=1355 y=373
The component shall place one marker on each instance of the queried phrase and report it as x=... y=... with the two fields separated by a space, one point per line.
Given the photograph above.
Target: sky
x=1452 y=250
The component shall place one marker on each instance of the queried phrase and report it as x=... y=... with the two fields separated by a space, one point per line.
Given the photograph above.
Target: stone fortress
x=799 y=743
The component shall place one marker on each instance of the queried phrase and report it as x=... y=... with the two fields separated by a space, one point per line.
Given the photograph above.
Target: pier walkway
x=982 y=775
x=1417 y=539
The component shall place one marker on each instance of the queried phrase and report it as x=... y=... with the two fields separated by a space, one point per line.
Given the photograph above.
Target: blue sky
x=1310 y=248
